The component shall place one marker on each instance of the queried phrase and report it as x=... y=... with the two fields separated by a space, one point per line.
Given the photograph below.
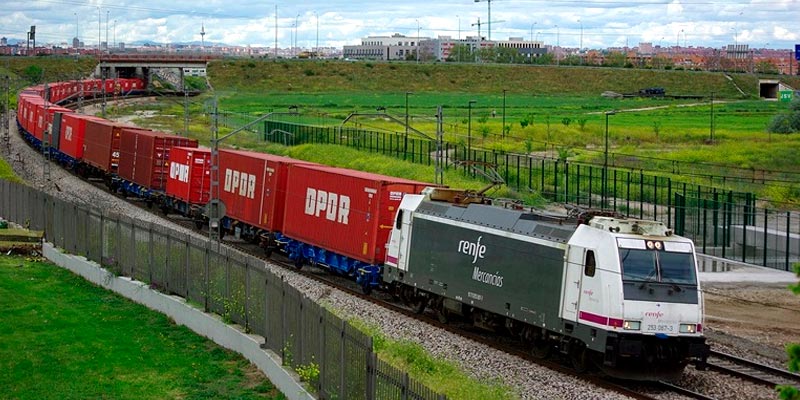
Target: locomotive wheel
x=441 y=315
x=541 y=348
x=579 y=357
x=418 y=304
x=396 y=291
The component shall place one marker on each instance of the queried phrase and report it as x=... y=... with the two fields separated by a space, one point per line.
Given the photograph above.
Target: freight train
x=615 y=293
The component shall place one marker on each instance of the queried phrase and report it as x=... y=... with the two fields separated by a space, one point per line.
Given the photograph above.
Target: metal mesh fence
x=626 y=191
x=238 y=287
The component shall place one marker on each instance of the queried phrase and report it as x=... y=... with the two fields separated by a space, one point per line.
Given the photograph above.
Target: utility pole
x=46 y=135
x=418 y=46
x=185 y=104
x=439 y=178
x=469 y=129
x=6 y=111
x=103 y=76
x=711 y=126
x=405 y=139
x=213 y=204
x=504 y=113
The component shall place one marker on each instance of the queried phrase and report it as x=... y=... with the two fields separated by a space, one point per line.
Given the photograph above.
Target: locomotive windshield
x=653 y=263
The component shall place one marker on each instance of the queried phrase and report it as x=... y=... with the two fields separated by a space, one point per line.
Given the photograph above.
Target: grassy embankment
x=63 y=338
x=7 y=173
x=554 y=110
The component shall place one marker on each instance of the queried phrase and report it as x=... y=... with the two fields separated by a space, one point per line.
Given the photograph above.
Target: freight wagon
x=102 y=139
x=253 y=189
x=341 y=219
x=144 y=161
x=69 y=134
x=189 y=182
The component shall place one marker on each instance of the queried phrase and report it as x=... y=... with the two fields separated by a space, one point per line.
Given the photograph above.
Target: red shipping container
x=253 y=187
x=348 y=212
x=144 y=156
x=72 y=134
x=22 y=109
x=91 y=87
x=29 y=105
x=136 y=84
x=189 y=174
x=101 y=144
x=43 y=117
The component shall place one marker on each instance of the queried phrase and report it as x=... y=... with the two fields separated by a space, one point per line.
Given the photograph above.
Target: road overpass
x=142 y=65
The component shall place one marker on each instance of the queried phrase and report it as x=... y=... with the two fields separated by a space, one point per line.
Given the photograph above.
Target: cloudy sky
x=568 y=23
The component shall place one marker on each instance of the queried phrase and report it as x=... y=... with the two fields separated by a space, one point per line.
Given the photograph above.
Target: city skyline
x=595 y=24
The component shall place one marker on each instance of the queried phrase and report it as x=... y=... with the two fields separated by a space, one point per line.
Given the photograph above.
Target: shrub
x=786 y=122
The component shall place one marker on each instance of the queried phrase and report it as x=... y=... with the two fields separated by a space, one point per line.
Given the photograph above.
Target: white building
x=440 y=49
x=384 y=48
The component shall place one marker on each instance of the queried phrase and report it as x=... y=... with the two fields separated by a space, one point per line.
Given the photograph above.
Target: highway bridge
x=143 y=65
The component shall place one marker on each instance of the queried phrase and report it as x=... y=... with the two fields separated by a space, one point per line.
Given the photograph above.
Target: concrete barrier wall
x=208 y=325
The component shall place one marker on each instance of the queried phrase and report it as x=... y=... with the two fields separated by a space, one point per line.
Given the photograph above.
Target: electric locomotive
x=619 y=294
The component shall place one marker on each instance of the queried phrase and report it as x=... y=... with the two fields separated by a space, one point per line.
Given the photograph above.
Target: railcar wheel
x=298 y=263
x=366 y=289
x=199 y=223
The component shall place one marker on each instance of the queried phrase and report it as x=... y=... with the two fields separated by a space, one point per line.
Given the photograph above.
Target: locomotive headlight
x=688 y=328
x=632 y=325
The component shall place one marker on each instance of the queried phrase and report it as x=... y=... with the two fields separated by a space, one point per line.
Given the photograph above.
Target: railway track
x=506 y=344
x=509 y=345
x=751 y=370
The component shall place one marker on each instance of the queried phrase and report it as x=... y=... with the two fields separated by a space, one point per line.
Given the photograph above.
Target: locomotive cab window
x=398 y=223
x=663 y=262
x=589 y=265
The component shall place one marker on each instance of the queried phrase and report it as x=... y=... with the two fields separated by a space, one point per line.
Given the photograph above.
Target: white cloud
x=595 y=23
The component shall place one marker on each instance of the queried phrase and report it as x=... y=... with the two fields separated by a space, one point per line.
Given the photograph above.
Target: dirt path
x=759 y=318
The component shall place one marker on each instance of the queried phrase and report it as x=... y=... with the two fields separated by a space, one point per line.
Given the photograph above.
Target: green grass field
x=63 y=338
x=7 y=173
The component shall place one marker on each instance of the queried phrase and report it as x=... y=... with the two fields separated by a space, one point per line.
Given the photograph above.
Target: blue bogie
x=366 y=275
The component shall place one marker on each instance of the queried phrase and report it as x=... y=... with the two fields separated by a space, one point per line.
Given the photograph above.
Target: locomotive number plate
x=665 y=328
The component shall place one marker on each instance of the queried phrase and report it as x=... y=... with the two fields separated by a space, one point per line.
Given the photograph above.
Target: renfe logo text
x=240 y=182
x=335 y=206
x=474 y=249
